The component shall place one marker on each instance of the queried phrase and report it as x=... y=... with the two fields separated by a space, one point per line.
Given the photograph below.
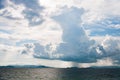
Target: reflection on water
x=58 y=74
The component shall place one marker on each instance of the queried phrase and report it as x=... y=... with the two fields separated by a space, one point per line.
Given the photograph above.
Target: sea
x=59 y=73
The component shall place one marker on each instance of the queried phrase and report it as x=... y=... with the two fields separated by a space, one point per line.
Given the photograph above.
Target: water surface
x=59 y=74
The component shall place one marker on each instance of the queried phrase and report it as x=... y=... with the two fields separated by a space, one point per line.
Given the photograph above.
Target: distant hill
x=41 y=66
x=24 y=66
x=105 y=67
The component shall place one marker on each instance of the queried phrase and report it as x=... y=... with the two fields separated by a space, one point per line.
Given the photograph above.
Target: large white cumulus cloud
x=76 y=44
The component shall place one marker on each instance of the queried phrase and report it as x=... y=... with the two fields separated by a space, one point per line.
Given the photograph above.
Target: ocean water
x=59 y=74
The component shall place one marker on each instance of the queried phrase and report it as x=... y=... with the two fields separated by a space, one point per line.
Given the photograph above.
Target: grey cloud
x=32 y=11
x=111 y=48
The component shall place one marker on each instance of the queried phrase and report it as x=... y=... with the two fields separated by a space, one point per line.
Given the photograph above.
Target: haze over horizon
x=60 y=33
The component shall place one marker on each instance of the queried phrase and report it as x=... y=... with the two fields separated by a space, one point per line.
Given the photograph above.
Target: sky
x=60 y=33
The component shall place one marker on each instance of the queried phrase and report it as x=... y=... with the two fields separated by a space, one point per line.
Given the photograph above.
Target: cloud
x=22 y=10
x=11 y=10
x=32 y=11
x=76 y=44
x=111 y=48
x=100 y=10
